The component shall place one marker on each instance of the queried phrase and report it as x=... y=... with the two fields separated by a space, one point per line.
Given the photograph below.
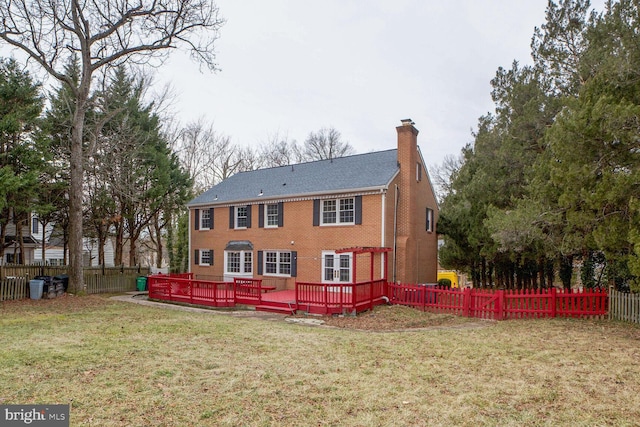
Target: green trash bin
x=141 y=283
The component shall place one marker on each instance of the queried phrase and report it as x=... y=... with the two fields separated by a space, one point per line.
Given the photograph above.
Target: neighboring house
x=30 y=235
x=34 y=233
x=295 y=222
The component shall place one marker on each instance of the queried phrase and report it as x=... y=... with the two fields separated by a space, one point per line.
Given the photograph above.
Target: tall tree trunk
x=132 y=251
x=44 y=243
x=76 y=158
x=119 y=242
x=159 y=246
x=20 y=240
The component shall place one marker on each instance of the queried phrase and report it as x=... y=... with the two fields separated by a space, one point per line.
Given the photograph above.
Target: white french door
x=336 y=268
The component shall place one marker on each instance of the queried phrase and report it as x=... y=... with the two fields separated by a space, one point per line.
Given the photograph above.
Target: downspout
x=189 y=242
x=395 y=231
x=383 y=242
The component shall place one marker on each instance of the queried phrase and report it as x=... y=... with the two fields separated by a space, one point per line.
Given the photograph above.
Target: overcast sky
x=292 y=67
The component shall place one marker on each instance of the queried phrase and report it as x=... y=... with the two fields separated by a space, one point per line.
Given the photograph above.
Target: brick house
x=293 y=223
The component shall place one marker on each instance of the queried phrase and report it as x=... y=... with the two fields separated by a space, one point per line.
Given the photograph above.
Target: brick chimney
x=407 y=143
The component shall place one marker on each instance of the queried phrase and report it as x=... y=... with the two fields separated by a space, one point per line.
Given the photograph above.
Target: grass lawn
x=122 y=364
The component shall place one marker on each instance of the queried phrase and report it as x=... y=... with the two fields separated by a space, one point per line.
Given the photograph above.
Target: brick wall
x=416 y=256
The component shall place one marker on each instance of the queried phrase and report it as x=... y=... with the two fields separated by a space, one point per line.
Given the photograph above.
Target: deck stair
x=282 y=307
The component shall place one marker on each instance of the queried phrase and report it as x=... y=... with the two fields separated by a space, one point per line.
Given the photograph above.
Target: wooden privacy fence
x=502 y=304
x=624 y=306
x=14 y=279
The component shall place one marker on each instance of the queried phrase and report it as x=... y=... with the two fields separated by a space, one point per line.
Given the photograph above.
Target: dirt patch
x=397 y=317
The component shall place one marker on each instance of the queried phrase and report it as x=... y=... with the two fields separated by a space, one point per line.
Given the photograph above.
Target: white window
x=203 y=257
x=238 y=262
x=206 y=257
x=429 y=225
x=35 y=225
x=241 y=217
x=205 y=219
x=272 y=215
x=277 y=263
x=338 y=211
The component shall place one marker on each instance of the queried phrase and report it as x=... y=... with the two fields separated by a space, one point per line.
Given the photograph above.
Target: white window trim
x=201 y=255
x=264 y=263
x=430 y=217
x=337 y=223
x=336 y=256
x=243 y=259
x=202 y=226
x=235 y=219
x=266 y=215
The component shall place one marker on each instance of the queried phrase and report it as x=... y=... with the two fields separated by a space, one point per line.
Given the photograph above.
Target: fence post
x=466 y=303
x=552 y=302
x=500 y=305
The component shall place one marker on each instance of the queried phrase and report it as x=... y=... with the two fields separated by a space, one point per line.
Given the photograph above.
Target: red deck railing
x=502 y=304
x=325 y=298
x=187 y=290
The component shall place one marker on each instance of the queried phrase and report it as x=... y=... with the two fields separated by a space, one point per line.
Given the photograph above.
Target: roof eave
x=254 y=200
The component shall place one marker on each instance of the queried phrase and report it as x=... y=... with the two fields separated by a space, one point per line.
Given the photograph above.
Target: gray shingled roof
x=361 y=171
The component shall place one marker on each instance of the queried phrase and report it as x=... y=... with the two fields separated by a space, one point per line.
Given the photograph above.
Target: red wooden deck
x=312 y=298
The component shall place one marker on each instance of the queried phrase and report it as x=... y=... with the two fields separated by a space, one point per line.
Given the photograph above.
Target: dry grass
x=126 y=365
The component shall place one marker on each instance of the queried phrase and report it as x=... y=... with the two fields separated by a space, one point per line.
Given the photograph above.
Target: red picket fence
x=502 y=304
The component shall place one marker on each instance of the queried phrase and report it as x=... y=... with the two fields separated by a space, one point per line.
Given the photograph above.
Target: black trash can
x=64 y=280
x=48 y=288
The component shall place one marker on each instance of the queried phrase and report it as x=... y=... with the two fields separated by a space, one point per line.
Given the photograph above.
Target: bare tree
x=444 y=174
x=279 y=150
x=103 y=33
x=326 y=144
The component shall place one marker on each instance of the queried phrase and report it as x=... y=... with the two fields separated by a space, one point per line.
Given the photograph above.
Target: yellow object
x=451 y=275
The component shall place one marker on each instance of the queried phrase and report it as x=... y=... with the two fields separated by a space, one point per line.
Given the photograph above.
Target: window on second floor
x=240 y=217
x=35 y=225
x=205 y=219
x=338 y=211
x=429 y=225
x=342 y=211
x=272 y=215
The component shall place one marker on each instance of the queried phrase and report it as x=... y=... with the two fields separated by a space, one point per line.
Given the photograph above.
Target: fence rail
x=501 y=304
x=624 y=306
